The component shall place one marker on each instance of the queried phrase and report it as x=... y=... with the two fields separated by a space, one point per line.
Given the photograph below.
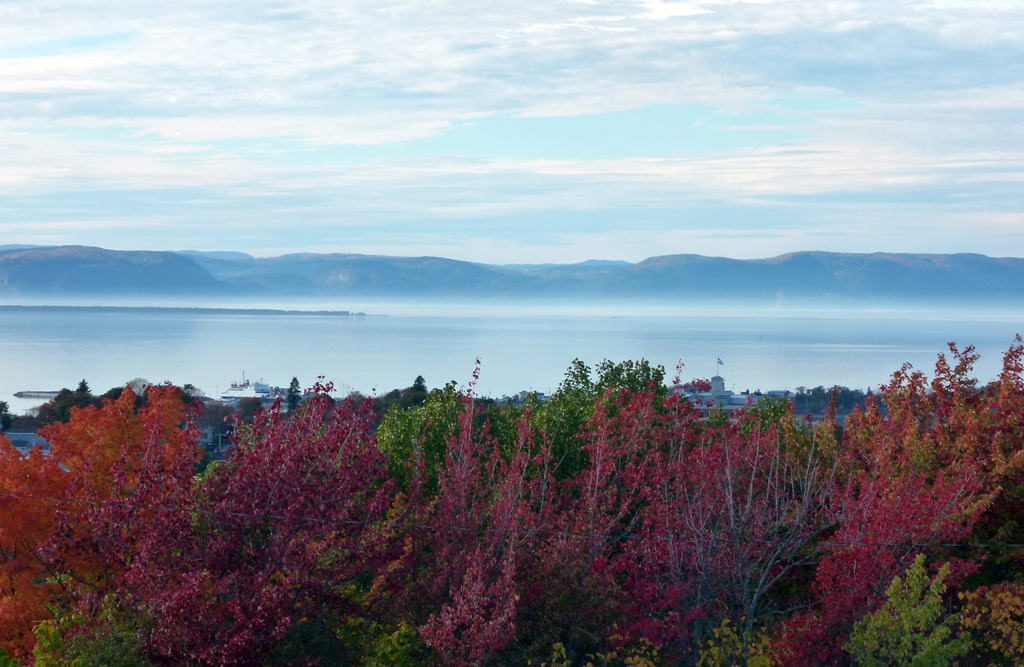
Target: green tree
x=6 y=418
x=422 y=429
x=769 y=412
x=69 y=642
x=380 y=645
x=816 y=400
x=731 y=647
x=294 y=394
x=562 y=416
x=114 y=393
x=565 y=412
x=416 y=394
x=59 y=409
x=911 y=628
x=632 y=375
x=419 y=384
x=190 y=393
x=410 y=397
x=83 y=388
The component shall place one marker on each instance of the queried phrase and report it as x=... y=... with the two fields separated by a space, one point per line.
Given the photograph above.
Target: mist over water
x=520 y=346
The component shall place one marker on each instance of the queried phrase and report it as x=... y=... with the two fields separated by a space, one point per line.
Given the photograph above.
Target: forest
x=607 y=526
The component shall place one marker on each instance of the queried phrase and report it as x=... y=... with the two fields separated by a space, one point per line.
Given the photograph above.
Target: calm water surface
x=46 y=349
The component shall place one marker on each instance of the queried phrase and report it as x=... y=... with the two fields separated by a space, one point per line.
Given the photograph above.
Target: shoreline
x=190 y=309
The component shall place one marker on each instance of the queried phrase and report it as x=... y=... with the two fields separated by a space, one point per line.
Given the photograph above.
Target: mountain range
x=79 y=271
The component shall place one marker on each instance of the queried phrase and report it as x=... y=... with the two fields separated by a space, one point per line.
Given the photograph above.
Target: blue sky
x=514 y=132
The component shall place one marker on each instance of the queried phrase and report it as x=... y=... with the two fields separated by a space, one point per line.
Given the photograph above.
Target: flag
x=720 y=362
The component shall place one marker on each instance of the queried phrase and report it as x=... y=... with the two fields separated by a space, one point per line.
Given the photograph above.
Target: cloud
x=471 y=121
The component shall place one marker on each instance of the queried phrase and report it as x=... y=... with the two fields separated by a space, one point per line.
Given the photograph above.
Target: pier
x=46 y=395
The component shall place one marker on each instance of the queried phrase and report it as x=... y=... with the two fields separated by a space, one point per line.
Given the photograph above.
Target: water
x=46 y=349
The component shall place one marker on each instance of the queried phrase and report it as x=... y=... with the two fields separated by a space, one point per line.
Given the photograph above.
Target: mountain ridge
x=85 y=271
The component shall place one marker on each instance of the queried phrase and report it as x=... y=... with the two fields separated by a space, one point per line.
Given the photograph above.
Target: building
x=24 y=441
x=721 y=397
x=517 y=400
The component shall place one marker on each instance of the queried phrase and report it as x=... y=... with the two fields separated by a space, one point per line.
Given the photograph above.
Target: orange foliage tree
x=997 y=615
x=69 y=521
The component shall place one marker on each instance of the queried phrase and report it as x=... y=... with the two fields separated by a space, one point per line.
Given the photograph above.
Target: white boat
x=245 y=389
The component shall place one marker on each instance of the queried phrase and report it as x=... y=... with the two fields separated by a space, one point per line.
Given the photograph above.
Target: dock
x=46 y=395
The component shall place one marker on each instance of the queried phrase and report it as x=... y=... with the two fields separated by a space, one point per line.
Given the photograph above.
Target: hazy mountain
x=820 y=274
x=364 y=274
x=19 y=246
x=75 y=270
x=83 y=271
x=588 y=264
x=216 y=254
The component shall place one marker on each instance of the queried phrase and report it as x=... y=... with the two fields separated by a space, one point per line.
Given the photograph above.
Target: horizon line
x=243 y=255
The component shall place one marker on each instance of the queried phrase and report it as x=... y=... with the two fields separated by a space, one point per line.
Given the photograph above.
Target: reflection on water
x=53 y=348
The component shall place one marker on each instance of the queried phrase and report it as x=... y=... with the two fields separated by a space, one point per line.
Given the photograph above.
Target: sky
x=514 y=132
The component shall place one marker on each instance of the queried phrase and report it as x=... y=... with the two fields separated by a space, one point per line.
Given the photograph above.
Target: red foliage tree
x=730 y=515
x=698 y=519
x=922 y=469
x=282 y=531
x=467 y=544
x=667 y=524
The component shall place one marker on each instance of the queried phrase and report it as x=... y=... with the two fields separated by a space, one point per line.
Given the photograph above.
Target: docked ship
x=245 y=389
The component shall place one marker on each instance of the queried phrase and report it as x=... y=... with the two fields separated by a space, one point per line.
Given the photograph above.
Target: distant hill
x=216 y=254
x=19 y=246
x=824 y=274
x=588 y=264
x=83 y=271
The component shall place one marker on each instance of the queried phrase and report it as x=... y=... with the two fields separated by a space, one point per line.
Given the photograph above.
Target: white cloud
x=211 y=97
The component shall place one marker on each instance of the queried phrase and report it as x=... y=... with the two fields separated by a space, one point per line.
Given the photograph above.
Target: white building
x=720 y=396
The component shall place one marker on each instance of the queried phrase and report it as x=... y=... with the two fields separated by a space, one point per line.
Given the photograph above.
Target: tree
x=730 y=647
x=286 y=537
x=421 y=433
x=402 y=399
x=911 y=628
x=294 y=394
x=215 y=416
x=817 y=400
x=920 y=466
x=484 y=523
x=63 y=547
x=83 y=388
x=60 y=407
x=6 y=418
x=636 y=376
x=562 y=417
x=467 y=533
x=190 y=392
x=996 y=615
x=720 y=513
x=78 y=641
x=247 y=408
